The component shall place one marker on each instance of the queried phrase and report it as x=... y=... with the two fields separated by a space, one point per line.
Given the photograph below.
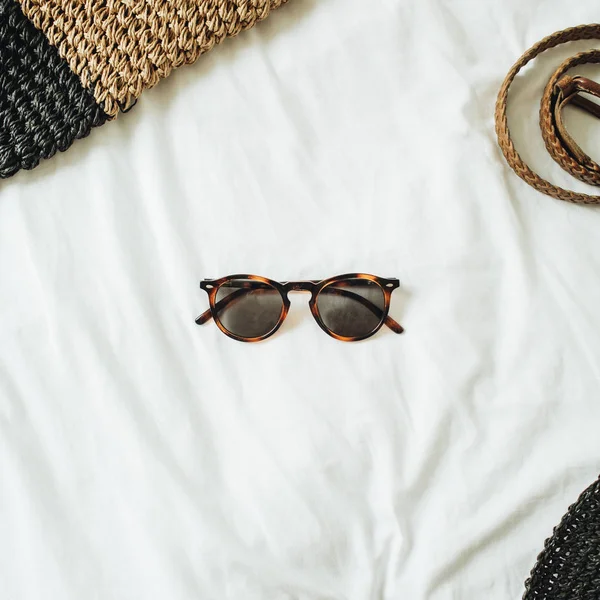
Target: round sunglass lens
x=248 y=308
x=352 y=308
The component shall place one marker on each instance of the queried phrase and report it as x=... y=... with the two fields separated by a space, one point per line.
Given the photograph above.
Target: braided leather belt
x=560 y=91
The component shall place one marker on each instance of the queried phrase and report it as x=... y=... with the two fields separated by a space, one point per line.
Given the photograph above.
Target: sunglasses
x=249 y=308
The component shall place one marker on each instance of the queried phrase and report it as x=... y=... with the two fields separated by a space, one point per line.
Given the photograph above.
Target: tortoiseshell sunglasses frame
x=387 y=285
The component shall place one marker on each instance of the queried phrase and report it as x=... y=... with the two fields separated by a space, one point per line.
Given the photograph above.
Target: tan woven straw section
x=120 y=48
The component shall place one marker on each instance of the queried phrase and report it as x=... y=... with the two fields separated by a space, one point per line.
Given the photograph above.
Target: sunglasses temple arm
x=204 y=317
x=391 y=323
x=394 y=325
x=207 y=314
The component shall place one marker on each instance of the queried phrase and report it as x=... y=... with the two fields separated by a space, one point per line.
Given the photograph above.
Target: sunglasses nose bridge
x=299 y=286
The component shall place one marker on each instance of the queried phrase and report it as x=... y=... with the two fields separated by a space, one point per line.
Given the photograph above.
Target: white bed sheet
x=144 y=457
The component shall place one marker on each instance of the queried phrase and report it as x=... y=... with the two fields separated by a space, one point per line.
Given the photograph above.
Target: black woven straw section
x=43 y=106
x=569 y=566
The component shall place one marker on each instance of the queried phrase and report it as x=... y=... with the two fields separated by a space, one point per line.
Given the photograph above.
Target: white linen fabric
x=142 y=456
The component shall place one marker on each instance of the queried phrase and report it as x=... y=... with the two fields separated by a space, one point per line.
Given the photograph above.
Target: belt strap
x=560 y=91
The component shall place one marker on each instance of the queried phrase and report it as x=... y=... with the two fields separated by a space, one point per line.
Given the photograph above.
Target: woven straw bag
x=69 y=65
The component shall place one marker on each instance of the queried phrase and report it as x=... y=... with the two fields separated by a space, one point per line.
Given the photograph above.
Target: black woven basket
x=569 y=566
x=43 y=106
